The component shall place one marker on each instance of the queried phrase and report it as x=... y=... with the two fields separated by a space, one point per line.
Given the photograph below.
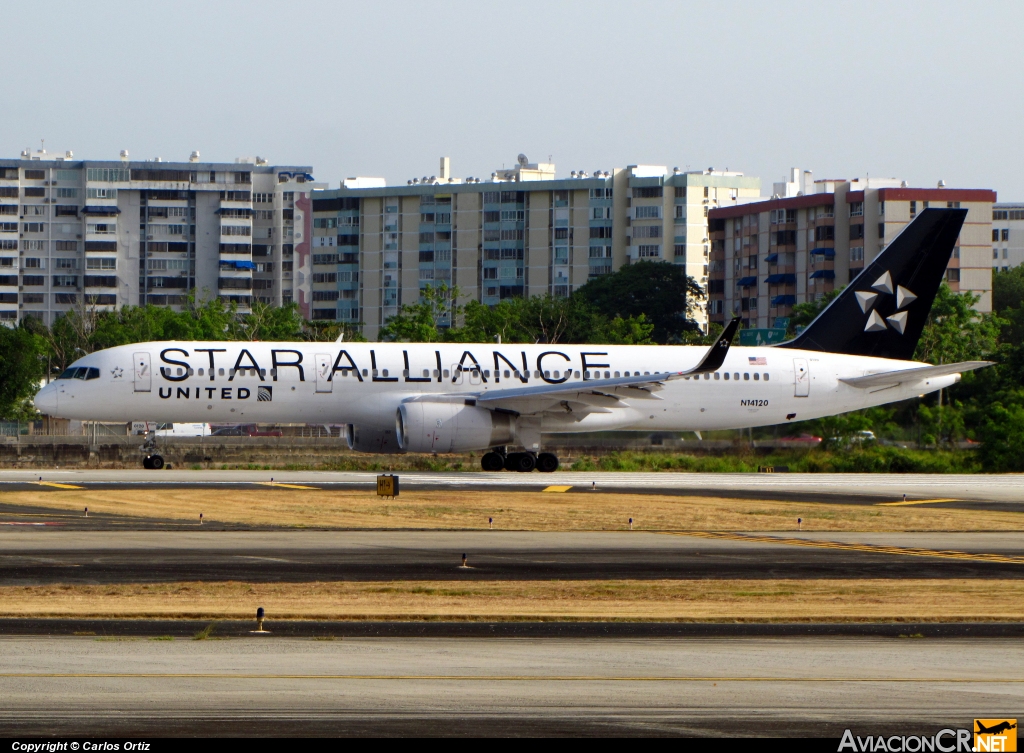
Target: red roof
x=935 y=194
x=756 y=207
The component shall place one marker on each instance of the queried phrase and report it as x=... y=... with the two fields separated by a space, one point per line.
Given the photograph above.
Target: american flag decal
x=757 y=361
x=264 y=394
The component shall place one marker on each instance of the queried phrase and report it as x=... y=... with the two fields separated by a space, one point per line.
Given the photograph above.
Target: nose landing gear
x=520 y=462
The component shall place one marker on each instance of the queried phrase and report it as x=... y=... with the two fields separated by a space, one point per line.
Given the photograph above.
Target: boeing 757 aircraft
x=430 y=398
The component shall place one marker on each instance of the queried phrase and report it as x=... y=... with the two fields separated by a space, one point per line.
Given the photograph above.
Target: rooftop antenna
x=42 y=145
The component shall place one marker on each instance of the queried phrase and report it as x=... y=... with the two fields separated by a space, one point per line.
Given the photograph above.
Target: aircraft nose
x=46 y=400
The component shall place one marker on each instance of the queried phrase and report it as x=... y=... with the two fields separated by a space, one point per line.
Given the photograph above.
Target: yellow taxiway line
x=557 y=488
x=58 y=486
x=914 y=502
x=287 y=486
x=870 y=548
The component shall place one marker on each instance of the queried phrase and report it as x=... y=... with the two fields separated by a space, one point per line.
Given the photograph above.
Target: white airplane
x=436 y=398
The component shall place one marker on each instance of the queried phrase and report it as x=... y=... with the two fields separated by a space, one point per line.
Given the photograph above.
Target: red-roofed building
x=769 y=255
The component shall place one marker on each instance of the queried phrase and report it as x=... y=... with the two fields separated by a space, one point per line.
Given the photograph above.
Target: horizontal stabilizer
x=910 y=376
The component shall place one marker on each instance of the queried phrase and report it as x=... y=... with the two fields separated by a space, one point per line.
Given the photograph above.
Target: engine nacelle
x=371 y=439
x=451 y=427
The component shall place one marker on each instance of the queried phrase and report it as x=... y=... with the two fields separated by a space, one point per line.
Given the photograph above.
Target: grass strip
x=628 y=600
x=522 y=511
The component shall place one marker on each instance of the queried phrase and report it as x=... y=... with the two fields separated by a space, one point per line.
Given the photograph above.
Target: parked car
x=803 y=439
x=246 y=430
x=183 y=430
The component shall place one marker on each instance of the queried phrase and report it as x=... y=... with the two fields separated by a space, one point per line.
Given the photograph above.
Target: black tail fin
x=883 y=310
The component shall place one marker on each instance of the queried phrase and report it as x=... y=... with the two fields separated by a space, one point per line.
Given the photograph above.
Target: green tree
x=1008 y=289
x=956 y=332
x=426 y=320
x=1002 y=435
x=22 y=365
x=273 y=323
x=663 y=293
x=321 y=331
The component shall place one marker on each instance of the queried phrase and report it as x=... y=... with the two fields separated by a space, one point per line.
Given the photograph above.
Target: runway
x=46 y=556
x=993 y=492
x=811 y=686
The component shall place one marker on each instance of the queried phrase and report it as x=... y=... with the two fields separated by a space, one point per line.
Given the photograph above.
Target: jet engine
x=451 y=427
x=371 y=439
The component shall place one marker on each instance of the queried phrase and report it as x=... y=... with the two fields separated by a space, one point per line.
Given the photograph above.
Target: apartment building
x=1007 y=236
x=813 y=237
x=102 y=234
x=520 y=232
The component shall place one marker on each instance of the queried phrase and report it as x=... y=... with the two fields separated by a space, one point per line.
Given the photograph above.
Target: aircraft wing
x=596 y=395
x=910 y=376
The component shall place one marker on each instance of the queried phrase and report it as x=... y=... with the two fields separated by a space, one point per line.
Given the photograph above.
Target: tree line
x=644 y=303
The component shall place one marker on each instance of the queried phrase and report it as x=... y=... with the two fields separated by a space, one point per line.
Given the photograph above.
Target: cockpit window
x=80 y=372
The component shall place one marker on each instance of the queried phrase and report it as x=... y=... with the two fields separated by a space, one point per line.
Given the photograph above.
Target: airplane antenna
x=341 y=337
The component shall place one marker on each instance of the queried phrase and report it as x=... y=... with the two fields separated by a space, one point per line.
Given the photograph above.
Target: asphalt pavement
x=268 y=686
x=39 y=556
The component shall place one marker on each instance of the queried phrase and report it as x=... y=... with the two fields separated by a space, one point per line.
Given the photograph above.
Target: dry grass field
x=697 y=600
x=522 y=511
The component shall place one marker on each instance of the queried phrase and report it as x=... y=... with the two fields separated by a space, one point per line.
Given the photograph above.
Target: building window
x=648 y=252
x=1006 y=233
x=995 y=235
x=647 y=231
x=953 y=275
x=913 y=209
x=648 y=192
x=856 y=253
x=856 y=208
x=648 y=213
x=856 y=232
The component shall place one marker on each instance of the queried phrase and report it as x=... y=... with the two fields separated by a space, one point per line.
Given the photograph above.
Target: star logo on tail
x=866 y=299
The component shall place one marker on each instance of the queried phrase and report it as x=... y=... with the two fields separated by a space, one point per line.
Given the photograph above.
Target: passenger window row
x=735 y=376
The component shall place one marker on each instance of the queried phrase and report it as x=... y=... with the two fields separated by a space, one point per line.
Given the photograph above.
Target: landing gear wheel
x=147 y=463
x=156 y=462
x=521 y=462
x=547 y=462
x=492 y=461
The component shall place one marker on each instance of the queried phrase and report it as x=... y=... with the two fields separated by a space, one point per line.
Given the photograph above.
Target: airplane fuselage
x=366 y=383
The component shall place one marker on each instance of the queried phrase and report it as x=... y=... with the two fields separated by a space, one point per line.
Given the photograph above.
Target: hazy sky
x=919 y=91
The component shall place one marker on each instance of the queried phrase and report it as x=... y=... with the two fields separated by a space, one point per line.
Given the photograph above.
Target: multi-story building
x=522 y=232
x=812 y=238
x=1007 y=236
x=101 y=234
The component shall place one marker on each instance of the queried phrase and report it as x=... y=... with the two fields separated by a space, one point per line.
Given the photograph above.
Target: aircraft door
x=324 y=363
x=143 y=373
x=802 y=377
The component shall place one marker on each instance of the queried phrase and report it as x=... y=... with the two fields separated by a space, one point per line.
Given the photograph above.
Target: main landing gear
x=151 y=461
x=521 y=462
